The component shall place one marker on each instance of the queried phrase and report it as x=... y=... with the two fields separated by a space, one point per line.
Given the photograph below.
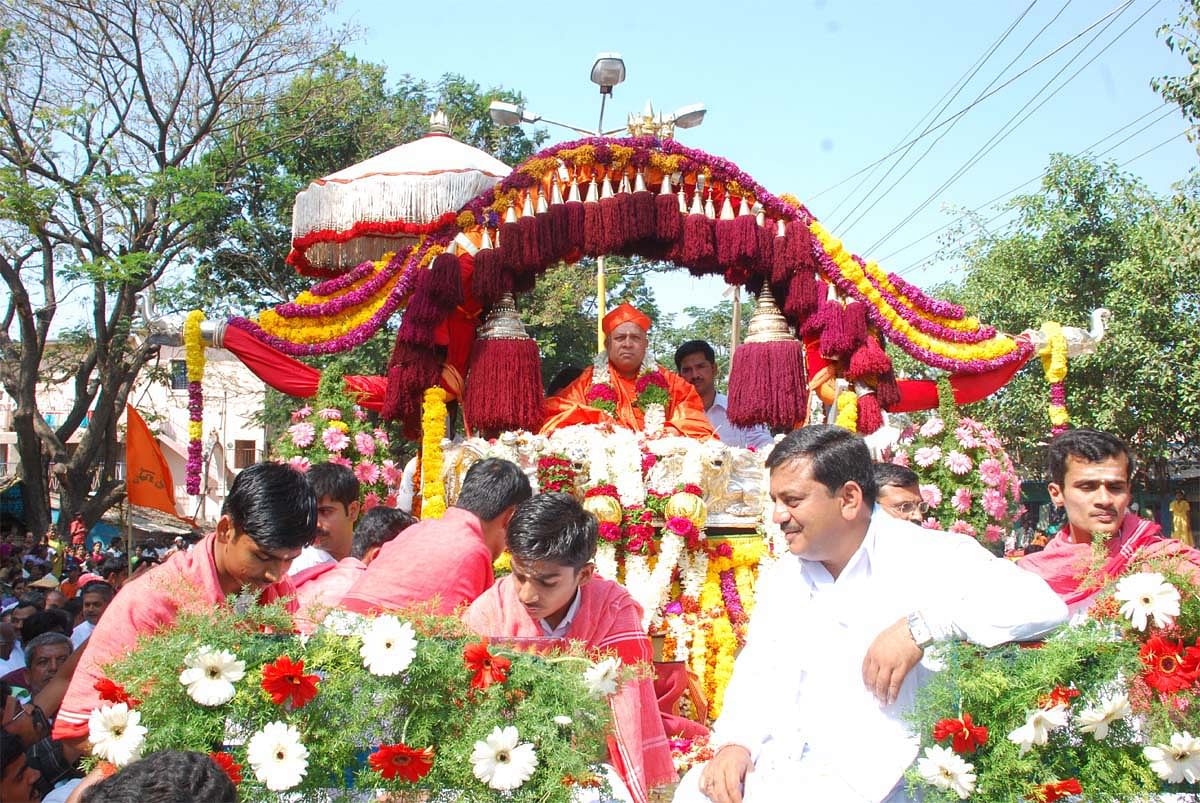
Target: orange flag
x=147 y=476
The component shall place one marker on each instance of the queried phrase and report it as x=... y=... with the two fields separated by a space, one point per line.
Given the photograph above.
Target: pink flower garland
x=195 y=450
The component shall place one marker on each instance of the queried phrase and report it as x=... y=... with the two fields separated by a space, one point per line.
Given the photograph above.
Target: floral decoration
x=433 y=430
x=194 y=355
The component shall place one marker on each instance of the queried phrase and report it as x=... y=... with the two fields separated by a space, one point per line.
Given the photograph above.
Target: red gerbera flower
x=1061 y=695
x=410 y=764
x=1168 y=668
x=1049 y=792
x=115 y=693
x=228 y=765
x=967 y=735
x=285 y=680
x=488 y=668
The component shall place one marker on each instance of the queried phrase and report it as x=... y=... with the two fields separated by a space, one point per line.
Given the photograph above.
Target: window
x=245 y=453
x=179 y=380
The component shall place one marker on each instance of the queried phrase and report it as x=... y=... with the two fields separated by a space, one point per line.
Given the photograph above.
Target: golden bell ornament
x=606 y=509
x=688 y=506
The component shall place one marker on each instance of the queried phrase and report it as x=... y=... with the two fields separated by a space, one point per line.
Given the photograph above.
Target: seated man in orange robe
x=1091 y=478
x=554 y=593
x=619 y=391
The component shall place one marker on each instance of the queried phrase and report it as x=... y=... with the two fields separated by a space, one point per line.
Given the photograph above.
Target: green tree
x=1094 y=237
x=1183 y=37
x=713 y=324
x=107 y=109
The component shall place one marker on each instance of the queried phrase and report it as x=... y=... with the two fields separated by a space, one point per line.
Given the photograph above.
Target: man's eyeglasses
x=908 y=508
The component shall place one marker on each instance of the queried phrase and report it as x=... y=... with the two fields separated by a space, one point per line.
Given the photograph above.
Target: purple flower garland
x=195 y=452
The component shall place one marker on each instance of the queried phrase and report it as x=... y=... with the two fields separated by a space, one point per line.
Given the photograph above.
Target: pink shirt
x=321 y=588
x=444 y=558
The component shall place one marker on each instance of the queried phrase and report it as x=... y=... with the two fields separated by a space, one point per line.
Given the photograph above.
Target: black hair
x=376 y=527
x=51 y=621
x=168 y=776
x=273 y=504
x=49 y=637
x=555 y=528
x=694 y=347
x=334 y=481
x=1088 y=445
x=892 y=474
x=111 y=566
x=32 y=599
x=100 y=587
x=73 y=607
x=10 y=748
x=835 y=455
x=491 y=487
x=565 y=376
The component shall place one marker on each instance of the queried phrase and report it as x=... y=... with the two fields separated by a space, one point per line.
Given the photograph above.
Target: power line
x=938 y=108
x=1013 y=124
x=879 y=197
x=970 y=106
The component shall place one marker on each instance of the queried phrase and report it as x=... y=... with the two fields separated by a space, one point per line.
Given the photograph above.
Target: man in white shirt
x=337 y=491
x=697 y=363
x=815 y=710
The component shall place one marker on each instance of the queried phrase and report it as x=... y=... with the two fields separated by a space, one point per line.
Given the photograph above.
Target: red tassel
x=490 y=280
x=855 y=323
x=766 y=250
x=815 y=322
x=804 y=298
x=642 y=217
x=594 y=242
x=767 y=385
x=445 y=281
x=411 y=370
x=725 y=234
x=613 y=219
x=868 y=360
x=746 y=239
x=504 y=386
x=511 y=250
x=524 y=282
x=668 y=220
x=531 y=256
x=887 y=390
x=833 y=333
x=575 y=227
x=422 y=313
x=545 y=238
x=870 y=417
x=698 y=247
x=560 y=230
x=799 y=240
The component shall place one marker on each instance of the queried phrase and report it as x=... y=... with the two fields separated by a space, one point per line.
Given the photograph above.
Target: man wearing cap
x=616 y=392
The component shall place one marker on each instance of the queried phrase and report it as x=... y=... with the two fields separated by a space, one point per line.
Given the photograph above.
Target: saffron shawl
x=608 y=619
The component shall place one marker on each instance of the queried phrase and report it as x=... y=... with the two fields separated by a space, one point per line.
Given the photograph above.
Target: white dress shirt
x=565 y=624
x=718 y=416
x=797 y=699
x=309 y=556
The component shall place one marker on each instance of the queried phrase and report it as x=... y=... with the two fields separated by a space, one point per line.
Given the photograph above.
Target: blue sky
x=802 y=95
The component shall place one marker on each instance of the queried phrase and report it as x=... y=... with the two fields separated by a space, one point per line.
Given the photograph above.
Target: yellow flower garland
x=847 y=410
x=194 y=345
x=433 y=430
x=1054 y=366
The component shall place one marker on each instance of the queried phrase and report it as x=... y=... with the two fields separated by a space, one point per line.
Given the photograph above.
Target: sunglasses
x=908 y=508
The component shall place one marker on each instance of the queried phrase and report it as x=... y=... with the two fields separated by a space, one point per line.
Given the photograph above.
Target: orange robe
x=684 y=413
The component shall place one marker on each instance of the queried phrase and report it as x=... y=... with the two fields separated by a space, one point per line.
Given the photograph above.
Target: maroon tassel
x=511 y=251
x=698 y=247
x=411 y=370
x=766 y=250
x=668 y=220
x=560 y=230
x=805 y=296
x=781 y=266
x=421 y=314
x=575 y=227
x=868 y=360
x=531 y=256
x=855 y=322
x=490 y=280
x=833 y=333
x=799 y=246
x=887 y=390
x=767 y=385
x=524 y=282
x=612 y=221
x=726 y=236
x=746 y=239
x=504 y=386
x=445 y=281
x=642 y=216
x=813 y=324
x=870 y=417
x=594 y=243
x=545 y=238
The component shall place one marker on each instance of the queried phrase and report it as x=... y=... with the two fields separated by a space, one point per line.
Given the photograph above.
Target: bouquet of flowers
x=395 y=702
x=1106 y=710
x=333 y=428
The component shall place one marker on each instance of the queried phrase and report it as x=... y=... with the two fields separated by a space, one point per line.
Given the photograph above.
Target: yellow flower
x=847 y=415
x=194 y=346
x=433 y=430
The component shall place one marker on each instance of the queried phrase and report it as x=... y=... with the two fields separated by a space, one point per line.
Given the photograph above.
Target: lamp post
x=607 y=71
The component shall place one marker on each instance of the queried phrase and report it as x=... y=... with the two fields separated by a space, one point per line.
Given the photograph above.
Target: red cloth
x=444 y=558
x=1065 y=565
x=625 y=313
x=320 y=588
x=608 y=619
x=670 y=683
x=685 y=411
x=144 y=605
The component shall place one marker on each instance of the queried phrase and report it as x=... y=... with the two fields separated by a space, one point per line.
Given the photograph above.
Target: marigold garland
x=847 y=410
x=194 y=352
x=433 y=430
x=1054 y=365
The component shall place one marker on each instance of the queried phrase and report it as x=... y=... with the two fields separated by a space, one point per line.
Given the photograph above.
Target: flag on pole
x=147 y=476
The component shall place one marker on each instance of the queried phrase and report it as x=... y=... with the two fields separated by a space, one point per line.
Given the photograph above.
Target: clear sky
x=802 y=95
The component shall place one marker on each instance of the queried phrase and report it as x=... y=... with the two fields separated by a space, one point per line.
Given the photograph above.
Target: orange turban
x=626 y=313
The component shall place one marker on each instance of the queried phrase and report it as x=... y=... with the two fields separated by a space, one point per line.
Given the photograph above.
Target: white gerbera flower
x=116 y=734
x=601 y=677
x=502 y=762
x=388 y=646
x=1145 y=595
x=210 y=675
x=1177 y=761
x=279 y=760
x=1095 y=720
x=945 y=769
x=1037 y=727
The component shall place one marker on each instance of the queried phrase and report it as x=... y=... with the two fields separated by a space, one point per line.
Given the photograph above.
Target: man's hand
x=888 y=661
x=723 y=775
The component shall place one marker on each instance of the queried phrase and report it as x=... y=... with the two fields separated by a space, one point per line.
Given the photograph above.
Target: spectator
x=96 y=597
x=70 y=584
x=44 y=657
x=899 y=492
x=169 y=776
x=17 y=780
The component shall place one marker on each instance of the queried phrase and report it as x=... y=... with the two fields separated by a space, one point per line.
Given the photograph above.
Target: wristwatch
x=919 y=630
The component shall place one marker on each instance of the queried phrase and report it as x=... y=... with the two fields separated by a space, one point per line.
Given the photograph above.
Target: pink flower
x=991 y=472
x=359 y=413
x=302 y=434
x=365 y=444
x=331 y=414
x=367 y=473
x=931 y=524
x=391 y=501
x=370 y=500
x=994 y=503
x=990 y=439
x=932 y=495
x=299 y=462
x=966 y=438
x=901 y=458
x=301 y=414
x=381 y=438
x=338 y=460
x=960 y=526
x=392 y=475
x=926 y=456
x=932 y=427
x=962 y=500
x=993 y=534
x=334 y=439
x=601 y=393
x=958 y=463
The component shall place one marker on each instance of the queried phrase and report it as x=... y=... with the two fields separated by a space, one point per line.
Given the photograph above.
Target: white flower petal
x=1097 y=719
x=209 y=675
x=1147 y=595
x=116 y=734
x=388 y=646
x=502 y=761
x=945 y=769
x=1178 y=761
x=601 y=677
x=279 y=759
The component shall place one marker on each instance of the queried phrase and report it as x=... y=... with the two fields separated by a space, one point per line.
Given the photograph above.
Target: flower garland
x=556 y=474
x=1054 y=366
x=651 y=387
x=847 y=410
x=433 y=430
x=194 y=351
